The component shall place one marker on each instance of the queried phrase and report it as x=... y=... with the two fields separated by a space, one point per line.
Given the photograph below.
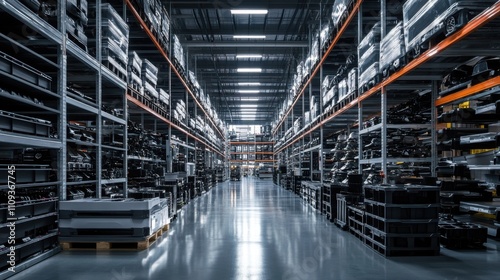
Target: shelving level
x=392 y=146
x=31 y=141
x=254 y=154
x=165 y=98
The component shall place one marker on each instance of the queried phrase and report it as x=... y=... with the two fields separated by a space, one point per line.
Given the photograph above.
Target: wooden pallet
x=115 y=245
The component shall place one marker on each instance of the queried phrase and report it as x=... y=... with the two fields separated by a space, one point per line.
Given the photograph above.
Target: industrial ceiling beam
x=244 y=44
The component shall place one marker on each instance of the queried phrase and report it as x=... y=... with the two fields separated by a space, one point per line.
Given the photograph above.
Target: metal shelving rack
x=88 y=94
x=347 y=114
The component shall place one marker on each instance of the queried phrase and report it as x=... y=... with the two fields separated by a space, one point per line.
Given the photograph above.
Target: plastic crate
x=406 y=194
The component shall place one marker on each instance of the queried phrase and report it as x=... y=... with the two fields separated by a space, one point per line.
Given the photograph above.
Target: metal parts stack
x=369 y=55
x=77 y=20
x=149 y=75
x=115 y=41
x=392 y=51
x=134 y=72
x=112 y=220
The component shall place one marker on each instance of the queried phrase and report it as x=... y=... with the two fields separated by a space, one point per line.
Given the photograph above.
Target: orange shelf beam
x=480 y=20
x=468 y=91
x=251 y=143
x=164 y=54
x=152 y=112
x=322 y=61
x=474 y=24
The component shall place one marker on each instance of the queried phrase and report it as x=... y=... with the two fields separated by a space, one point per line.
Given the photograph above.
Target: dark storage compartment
x=19 y=69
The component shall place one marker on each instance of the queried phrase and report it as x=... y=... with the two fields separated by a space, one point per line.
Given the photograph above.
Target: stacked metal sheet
x=179 y=53
x=134 y=70
x=392 y=51
x=149 y=75
x=164 y=98
x=164 y=36
x=369 y=55
x=115 y=32
x=180 y=111
x=76 y=20
x=111 y=219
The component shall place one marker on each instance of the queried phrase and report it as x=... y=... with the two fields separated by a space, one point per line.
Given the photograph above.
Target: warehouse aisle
x=255 y=230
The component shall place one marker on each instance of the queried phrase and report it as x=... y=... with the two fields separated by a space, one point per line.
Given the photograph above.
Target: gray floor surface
x=255 y=230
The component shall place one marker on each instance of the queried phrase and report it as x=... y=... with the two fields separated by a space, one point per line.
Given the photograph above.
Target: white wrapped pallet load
x=352 y=80
x=164 y=97
x=392 y=51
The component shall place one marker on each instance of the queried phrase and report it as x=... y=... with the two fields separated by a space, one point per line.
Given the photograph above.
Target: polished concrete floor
x=255 y=230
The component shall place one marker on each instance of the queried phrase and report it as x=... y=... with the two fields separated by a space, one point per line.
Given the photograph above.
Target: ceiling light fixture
x=249 y=12
x=250 y=99
x=249 y=37
x=249 y=56
x=249 y=84
x=249 y=105
x=249 y=70
x=249 y=91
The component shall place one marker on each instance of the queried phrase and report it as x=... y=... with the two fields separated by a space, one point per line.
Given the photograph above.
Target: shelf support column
x=383 y=134
x=99 y=123
x=360 y=137
x=63 y=119
x=434 y=151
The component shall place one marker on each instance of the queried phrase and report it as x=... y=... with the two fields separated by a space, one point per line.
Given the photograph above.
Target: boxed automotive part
x=424 y=20
x=339 y=12
x=343 y=90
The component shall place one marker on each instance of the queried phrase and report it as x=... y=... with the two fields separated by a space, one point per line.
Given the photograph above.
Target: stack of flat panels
x=164 y=36
x=111 y=219
x=369 y=56
x=164 y=98
x=115 y=32
x=76 y=20
x=149 y=75
x=134 y=70
x=179 y=53
x=180 y=111
x=392 y=51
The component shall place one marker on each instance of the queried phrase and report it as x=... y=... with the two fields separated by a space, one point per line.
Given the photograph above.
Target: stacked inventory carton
x=392 y=51
x=369 y=55
x=134 y=69
x=115 y=32
x=149 y=75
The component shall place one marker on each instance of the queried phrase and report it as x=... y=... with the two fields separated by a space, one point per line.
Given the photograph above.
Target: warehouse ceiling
x=206 y=30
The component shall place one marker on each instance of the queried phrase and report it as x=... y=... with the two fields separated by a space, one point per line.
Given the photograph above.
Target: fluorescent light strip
x=249 y=37
x=249 y=91
x=249 y=84
x=250 y=99
x=249 y=56
x=249 y=106
x=249 y=70
x=249 y=12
